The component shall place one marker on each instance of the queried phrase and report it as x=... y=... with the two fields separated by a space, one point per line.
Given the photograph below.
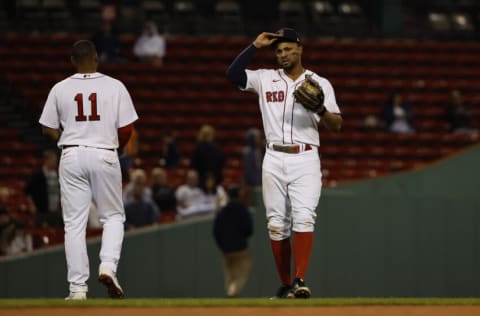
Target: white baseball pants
x=88 y=174
x=291 y=185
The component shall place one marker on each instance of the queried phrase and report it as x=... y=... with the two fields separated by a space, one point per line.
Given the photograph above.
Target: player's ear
x=300 y=48
x=95 y=58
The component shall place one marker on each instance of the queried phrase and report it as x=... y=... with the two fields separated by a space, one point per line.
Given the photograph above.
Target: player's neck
x=86 y=69
x=294 y=72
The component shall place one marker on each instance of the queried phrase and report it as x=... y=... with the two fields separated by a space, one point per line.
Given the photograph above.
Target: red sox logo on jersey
x=275 y=96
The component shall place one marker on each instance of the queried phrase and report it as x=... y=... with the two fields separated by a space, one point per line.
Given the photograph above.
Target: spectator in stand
x=372 y=123
x=252 y=161
x=170 y=155
x=398 y=115
x=189 y=196
x=458 y=116
x=232 y=227
x=207 y=156
x=4 y=197
x=214 y=195
x=43 y=192
x=107 y=44
x=14 y=238
x=138 y=187
x=129 y=157
x=150 y=47
x=139 y=211
x=20 y=240
x=7 y=229
x=163 y=193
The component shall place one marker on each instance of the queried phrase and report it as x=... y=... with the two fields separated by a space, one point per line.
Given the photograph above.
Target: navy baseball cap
x=287 y=35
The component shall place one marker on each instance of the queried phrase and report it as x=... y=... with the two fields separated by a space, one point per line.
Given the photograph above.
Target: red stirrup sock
x=302 y=249
x=282 y=254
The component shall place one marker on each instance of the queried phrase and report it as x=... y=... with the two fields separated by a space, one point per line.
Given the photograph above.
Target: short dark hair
x=83 y=50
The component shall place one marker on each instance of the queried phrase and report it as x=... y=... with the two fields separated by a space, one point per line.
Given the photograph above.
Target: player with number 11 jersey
x=90 y=115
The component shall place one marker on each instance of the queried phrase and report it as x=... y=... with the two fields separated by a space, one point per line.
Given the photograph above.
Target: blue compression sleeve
x=236 y=71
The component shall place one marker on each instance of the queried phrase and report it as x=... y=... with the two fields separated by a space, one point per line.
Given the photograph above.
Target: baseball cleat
x=76 y=296
x=285 y=291
x=108 y=278
x=299 y=289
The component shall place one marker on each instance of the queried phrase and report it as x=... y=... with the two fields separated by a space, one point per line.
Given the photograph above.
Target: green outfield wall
x=413 y=234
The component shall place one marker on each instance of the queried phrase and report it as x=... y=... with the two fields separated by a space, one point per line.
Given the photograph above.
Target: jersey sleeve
x=253 y=81
x=49 y=116
x=330 y=101
x=126 y=113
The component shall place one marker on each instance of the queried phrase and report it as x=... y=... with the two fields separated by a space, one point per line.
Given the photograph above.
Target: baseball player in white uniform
x=91 y=115
x=291 y=175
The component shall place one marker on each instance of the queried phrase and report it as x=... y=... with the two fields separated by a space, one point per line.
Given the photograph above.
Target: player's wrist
x=256 y=44
x=322 y=110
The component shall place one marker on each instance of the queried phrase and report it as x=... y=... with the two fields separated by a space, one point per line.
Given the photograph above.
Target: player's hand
x=265 y=39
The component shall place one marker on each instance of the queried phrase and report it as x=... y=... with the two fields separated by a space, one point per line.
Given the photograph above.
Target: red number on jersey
x=93 y=102
x=80 y=116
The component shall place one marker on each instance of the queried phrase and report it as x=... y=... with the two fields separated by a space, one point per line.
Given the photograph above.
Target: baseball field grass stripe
x=239 y=302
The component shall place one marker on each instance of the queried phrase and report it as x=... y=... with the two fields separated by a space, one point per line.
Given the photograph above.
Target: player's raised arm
x=236 y=71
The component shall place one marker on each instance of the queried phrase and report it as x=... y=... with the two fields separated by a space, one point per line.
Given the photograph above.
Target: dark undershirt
x=236 y=71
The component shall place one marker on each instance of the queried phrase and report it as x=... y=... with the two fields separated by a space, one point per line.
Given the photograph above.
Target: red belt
x=290 y=149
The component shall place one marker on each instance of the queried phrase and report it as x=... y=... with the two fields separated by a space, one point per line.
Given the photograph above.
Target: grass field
x=238 y=302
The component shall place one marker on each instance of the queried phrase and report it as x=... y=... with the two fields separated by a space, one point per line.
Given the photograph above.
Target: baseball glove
x=310 y=94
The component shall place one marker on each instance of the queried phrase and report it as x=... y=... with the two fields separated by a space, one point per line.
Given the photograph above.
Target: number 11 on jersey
x=93 y=103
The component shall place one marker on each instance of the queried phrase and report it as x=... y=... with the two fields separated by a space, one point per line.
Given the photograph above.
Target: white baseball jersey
x=88 y=108
x=284 y=120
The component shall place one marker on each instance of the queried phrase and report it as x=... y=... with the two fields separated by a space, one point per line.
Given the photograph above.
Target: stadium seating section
x=439 y=19
x=190 y=89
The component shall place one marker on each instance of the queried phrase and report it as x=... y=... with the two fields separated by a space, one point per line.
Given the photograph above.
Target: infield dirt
x=250 y=311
